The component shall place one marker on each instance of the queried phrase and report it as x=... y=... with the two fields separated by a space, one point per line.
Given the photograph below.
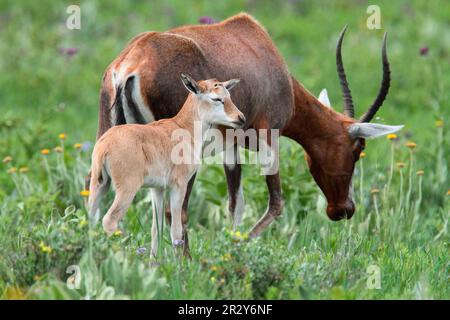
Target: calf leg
x=184 y=217
x=122 y=201
x=177 y=195
x=157 y=222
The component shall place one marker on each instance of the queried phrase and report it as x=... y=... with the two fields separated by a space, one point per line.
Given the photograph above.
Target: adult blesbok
x=139 y=87
x=135 y=155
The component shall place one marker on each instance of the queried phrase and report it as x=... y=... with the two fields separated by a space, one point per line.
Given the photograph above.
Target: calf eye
x=217 y=100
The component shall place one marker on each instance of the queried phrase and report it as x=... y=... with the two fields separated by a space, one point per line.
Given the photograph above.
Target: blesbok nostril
x=339 y=212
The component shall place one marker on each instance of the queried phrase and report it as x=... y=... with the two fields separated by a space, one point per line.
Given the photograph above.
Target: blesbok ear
x=190 y=84
x=323 y=98
x=231 y=83
x=371 y=130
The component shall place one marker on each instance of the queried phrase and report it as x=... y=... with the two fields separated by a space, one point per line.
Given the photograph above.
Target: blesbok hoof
x=253 y=234
x=187 y=254
x=178 y=243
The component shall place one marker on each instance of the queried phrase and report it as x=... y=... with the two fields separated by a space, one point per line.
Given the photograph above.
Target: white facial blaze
x=215 y=113
x=371 y=130
x=323 y=98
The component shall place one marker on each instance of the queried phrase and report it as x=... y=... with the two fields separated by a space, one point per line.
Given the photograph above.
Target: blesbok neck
x=188 y=114
x=189 y=118
x=311 y=121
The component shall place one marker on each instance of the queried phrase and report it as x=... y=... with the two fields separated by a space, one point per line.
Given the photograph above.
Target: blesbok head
x=332 y=160
x=216 y=106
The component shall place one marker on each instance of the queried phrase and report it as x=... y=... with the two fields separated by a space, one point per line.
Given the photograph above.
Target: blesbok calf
x=133 y=155
x=138 y=87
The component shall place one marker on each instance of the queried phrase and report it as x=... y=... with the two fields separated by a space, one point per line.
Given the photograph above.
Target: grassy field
x=49 y=83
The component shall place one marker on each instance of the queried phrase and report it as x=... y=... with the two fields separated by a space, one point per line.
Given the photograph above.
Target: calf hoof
x=108 y=226
x=178 y=243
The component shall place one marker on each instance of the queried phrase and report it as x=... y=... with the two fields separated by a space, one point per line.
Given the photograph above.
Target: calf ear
x=231 y=83
x=371 y=130
x=323 y=98
x=190 y=84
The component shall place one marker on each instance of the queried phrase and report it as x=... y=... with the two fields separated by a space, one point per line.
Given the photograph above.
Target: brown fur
x=134 y=155
x=268 y=97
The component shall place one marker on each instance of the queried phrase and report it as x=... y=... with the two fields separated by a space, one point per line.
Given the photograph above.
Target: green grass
x=403 y=229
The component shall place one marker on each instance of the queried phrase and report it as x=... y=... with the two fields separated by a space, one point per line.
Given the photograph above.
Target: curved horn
x=349 y=110
x=385 y=84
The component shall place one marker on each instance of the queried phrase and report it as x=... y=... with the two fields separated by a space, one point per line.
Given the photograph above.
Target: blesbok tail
x=99 y=185
x=126 y=108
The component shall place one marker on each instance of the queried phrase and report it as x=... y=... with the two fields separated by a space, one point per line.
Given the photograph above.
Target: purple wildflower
x=141 y=250
x=206 y=20
x=71 y=51
x=86 y=146
x=424 y=51
x=67 y=51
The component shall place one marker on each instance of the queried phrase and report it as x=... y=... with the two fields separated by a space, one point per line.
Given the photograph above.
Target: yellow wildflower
x=62 y=136
x=439 y=123
x=14 y=293
x=222 y=281
x=411 y=145
x=58 y=149
x=84 y=193
x=374 y=191
x=214 y=268
x=400 y=165
x=392 y=136
x=362 y=154
x=12 y=170
x=420 y=173
x=23 y=170
x=45 y=248
x=45 y=152
x=117 y=233
x=7 y=159
x=77 y=146
x=213 y=279
x=226 y=257
x=92 y=233
x=82 y=223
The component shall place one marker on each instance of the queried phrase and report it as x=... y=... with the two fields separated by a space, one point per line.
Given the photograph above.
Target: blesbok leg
x=184 y=217
x=157 y=222
x=275 y=206
x=233 y=173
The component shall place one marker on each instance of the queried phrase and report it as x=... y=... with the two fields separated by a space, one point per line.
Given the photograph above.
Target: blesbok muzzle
x=338 y=212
